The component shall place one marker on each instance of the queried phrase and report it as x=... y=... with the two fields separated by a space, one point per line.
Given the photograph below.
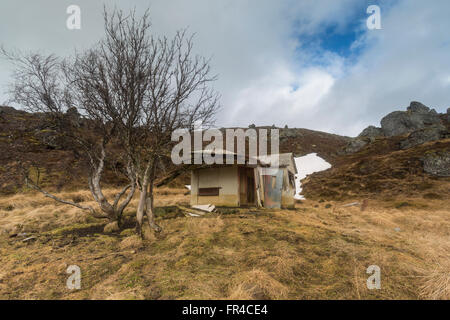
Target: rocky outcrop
x=417 y=107
x=51 y=139
x=420 y=123
x=416 y=117
x=47 y=131
x=303 y=141
x=73 y=116
x=371 y=132
x=437 y=163
x=368 y=135
x=6 y=112
x=355 y=145
x=431 y=133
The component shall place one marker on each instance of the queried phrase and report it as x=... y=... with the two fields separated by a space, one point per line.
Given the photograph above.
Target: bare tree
x=179 y=96
x=158 y=86
x=136 y=87
x=41 y=84
x=112 y=81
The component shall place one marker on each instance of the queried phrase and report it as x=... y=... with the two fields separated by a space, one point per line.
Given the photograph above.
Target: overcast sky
x=307 y=64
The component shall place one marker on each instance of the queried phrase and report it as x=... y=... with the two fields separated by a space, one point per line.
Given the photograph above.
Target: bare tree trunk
x=141 y=209
x=113 y=212
x=150 y=212
x=146 y=206
x=142 y=196
x=94 y=213
x=120 y=208
x=107 y=211
x=146 y=200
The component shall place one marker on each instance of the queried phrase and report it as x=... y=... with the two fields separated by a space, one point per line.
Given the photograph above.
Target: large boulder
x=420 y=123
x=367 y=136
x=7 y=110
x=371 y=132
x=73 y=116
x=355 y=145
x=431 y=133
x=437 y=163
x=289 y=133
x=51 y=139
x=418 y=107
x=416 y=117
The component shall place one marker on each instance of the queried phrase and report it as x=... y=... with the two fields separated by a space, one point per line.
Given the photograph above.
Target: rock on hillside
x=418 y=124
x=437 y=163
x=303 y=141
x=408 y=155
x=381 y=170
x=416 y=117
x=25 y=138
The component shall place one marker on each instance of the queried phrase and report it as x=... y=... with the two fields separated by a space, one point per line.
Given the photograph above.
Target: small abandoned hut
x=262 y=184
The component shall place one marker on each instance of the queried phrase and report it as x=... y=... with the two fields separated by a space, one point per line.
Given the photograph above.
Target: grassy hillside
x=381 y=171
x=26 y=138
x=320 y=250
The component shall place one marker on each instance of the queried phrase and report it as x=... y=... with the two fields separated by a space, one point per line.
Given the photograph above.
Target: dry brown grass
x=436 y=284
x=26 y=212
x=317 y=251
x=256 y=284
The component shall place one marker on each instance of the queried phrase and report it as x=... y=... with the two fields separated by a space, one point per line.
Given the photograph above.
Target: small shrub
x=402 y=205
x=131 y=242
x=227 y=210
x=77 y=199
x=128 y=232
x=168 y=212
x=432 y=195
x=424 y=186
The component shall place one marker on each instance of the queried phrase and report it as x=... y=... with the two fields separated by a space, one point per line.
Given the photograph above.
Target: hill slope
x=26 y=138
x=409 y=155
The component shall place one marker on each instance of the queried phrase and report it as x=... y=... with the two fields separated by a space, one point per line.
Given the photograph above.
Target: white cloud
x=405 y=61
x=275 y=98
x=266 y=76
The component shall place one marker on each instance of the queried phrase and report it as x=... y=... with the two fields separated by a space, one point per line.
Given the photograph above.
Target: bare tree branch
x=36 y=187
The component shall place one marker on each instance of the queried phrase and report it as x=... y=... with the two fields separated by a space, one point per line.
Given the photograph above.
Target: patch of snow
x=307 y=165
x=187 y=186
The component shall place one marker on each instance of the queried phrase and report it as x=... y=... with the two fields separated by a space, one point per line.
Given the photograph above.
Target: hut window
x=208 y=191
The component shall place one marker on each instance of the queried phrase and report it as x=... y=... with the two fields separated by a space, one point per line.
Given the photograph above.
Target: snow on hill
x=306 y=165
